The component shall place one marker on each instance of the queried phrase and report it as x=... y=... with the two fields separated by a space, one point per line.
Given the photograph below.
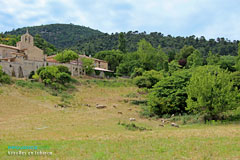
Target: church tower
x=31 y=52
x=27 y=38
x=26 y=41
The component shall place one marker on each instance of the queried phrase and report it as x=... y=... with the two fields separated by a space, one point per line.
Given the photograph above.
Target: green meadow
x=28 y=117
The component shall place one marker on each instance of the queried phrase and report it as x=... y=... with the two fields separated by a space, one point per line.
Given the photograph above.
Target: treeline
x=88 y=41
x=148 y=58
x=169 y=44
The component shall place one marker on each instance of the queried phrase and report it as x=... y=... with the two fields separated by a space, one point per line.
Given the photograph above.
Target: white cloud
x=228 y=28
x=177 y=17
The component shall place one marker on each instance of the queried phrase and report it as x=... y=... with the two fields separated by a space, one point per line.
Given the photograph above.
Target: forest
x=85 y=40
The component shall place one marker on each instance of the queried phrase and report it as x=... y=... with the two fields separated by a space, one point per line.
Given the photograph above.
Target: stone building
x=25 y=58
x=25 y=50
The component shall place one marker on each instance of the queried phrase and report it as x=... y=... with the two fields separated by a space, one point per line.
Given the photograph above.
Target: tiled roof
x=102 y=69
x=84 y=56
x=7 y=46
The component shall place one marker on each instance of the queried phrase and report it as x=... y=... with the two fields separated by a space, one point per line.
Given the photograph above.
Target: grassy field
x=28 y=117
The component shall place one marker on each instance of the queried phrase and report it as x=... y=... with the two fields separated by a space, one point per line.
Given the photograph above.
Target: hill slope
x=28 y=118
x=60 y=35
x=90 y=41
x=169 y=44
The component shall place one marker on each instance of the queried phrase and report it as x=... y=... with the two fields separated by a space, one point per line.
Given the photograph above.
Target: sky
x=208 y=18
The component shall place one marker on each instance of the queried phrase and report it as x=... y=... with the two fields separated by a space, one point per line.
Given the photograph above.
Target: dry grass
x=28 y=117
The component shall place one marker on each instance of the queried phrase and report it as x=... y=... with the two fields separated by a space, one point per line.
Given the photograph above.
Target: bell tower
x=27 y=38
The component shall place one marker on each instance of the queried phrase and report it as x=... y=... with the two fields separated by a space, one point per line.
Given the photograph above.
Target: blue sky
x=209 y=18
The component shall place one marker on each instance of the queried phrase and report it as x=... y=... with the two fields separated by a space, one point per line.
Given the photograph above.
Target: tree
x=122 y=43
x=88 y=65
x=195 y=59
x=54 y=76
x=137 y=72
x=113 y=57
x=169 y=95
x=162 y=59
x=211 y=92
x=148 y=79
x=227 y=62
x=235 y=77
x=238 y=58
x=48 y=74
x=150 y=57
x=185 y=52
x=63 y=78
x=212 y=59
x=63 y=69
x=66 y=56
x=47 y=47
x=173 y=66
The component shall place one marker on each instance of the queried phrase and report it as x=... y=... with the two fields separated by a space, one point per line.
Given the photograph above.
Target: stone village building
x=25 y=58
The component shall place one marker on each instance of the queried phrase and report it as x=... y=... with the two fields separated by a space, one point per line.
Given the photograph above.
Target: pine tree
x=122 y=43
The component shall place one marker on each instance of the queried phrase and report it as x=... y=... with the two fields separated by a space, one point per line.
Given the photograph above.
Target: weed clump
x=133 y=127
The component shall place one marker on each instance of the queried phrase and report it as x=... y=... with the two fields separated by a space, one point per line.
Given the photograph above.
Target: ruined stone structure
x=25 y=58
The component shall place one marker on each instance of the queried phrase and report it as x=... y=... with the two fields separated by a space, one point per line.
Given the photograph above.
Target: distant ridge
x=90 y=41
x=60 y=35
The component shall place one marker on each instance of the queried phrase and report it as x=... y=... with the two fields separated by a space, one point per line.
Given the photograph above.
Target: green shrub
x=63 y=69
x=4 y=78
x=132 y=95
x=137 y=72
x=88 y=65
x=169 y=95
x=132 y=127
x=28 y=84
x=148 y=79
x=138 y=102
x=31 y=75
x=66 y=56
x=63 y=78
x=211 y=92
x=146 y=112
x=235 y=77
x=48 y=74
x=142 y=82
x=54 y=76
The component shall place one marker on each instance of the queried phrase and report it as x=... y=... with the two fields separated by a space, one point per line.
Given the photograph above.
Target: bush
x=147 y=112
x=31 y=75
x=142 y=82
x=63 y=69
x=63 y=78
x=54 y=76
x=113 y=57
x=4 y=78
x=211 y=92
x=137 y=72
x=30 y=85
x=235 y=77
x=132 y=127
x=48 y=74
x=148 y=79
x=66 y=56
x=168 y=96
x=88 y=65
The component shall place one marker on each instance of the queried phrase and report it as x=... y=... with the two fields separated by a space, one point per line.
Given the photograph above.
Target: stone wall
x=6 y=52
x=20 y=70
x=24 y=69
